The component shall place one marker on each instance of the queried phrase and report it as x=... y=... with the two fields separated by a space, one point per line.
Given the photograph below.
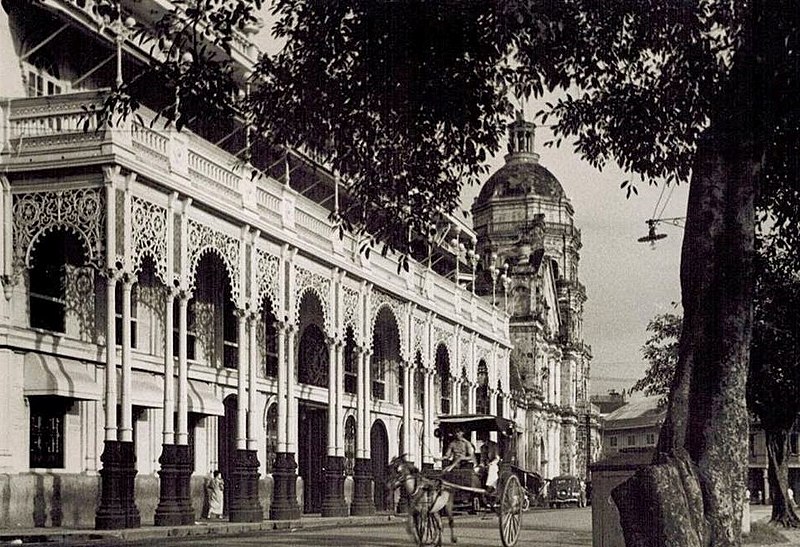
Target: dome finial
x=521 y=135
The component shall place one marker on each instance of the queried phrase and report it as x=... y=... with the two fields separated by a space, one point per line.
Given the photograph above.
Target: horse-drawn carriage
x=436 y=492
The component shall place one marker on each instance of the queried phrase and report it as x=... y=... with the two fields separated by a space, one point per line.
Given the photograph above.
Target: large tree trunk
x=692 y=494
x=778 y=474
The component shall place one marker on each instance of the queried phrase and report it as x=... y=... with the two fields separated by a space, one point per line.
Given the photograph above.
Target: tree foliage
x=661 y=352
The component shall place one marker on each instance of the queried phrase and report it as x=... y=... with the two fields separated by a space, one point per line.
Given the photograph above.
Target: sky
x=627 y=282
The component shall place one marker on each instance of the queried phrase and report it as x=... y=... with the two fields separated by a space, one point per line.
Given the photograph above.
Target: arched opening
x=482 y=392
x=350 y=362
x=419 y=384
x=271 y=436
x=212 y=326
x=56 y=268
x=312 y=363
x=465 y=386
x=379 y=453
x=267 y=339
x=226 y=445
x=444 y=382
x=385 y=365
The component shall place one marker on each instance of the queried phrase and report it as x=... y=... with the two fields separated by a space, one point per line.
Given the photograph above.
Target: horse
x=427 y=499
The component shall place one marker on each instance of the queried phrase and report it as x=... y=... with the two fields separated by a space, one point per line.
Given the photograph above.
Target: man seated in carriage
x=489 y=467
x=460 y=452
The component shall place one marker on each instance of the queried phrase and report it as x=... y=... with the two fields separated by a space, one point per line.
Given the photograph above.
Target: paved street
x=540 y=528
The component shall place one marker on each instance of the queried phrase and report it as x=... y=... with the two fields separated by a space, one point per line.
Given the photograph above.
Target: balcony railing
x=53 y=132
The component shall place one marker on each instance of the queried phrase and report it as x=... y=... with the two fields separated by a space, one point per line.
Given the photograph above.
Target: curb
x=55 y=536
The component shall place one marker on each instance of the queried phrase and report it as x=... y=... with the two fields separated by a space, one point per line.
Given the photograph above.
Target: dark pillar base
x=244 y=504
x=333 y=504
x=284 y=494
x=363 y=503
x=168 y=512
x=117 y=507
x=427 y=467
x=183 y=484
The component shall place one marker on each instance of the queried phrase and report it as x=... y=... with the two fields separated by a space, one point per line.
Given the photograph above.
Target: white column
x=408 y=421
x=430 y=414
x=291 y=400
x=283 y=419
x=111 y=360
x=252 y=392
x=169 y=371
x=126 y=414
x=241 y=394
x=182 y=433
x=332 y=377
x=340 y=398
x=363 y=396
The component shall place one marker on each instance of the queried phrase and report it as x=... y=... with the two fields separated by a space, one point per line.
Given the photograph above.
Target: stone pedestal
x=244 y=504
x=333 y=504
x=117 y=507
x=363 y=503
x=168 y=512
x=284 y=493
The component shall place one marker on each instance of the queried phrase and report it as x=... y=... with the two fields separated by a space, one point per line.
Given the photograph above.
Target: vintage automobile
x=566 y=490
x=483 y=425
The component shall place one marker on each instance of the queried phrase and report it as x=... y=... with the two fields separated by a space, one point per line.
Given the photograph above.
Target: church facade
x=527 y=238
x=165 y=314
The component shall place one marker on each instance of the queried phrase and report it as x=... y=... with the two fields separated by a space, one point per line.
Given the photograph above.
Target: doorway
x=226 y=447
x=312 y=451
x=379 y=454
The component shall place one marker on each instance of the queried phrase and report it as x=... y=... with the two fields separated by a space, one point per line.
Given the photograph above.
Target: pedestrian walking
x=214 y=489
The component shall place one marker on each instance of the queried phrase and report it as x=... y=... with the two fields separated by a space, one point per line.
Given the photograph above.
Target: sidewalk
x=55 y=536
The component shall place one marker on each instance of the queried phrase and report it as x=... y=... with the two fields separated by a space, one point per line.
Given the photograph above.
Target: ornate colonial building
x=527 y=237
x=165 y=314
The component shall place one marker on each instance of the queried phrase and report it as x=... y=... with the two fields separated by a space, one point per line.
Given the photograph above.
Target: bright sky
x=627 y=282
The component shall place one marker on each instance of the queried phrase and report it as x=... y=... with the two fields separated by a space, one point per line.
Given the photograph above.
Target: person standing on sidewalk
x=214 y=490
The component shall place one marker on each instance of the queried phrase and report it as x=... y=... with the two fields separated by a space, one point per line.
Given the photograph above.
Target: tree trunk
x=778 y=474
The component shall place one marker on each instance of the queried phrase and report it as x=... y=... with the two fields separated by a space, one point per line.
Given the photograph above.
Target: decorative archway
x=385 y=363
x=312 y=346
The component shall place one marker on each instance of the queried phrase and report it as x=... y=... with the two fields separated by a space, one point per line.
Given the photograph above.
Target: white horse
x=427 y=499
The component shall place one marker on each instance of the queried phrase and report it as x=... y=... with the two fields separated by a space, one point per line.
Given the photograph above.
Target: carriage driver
x=460 y=452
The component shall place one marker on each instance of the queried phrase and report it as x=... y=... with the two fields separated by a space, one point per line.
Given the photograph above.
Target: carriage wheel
x=511 y=511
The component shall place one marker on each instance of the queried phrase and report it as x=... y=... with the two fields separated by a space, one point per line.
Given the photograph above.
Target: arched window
x=48 y=279
x=350 y=363
x=349 y=445
x=313 y=363
x=482 y=393
x=271 y=427
x=443 y=378
x=270 y=341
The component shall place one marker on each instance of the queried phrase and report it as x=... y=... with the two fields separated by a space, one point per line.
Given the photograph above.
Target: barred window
x=47 y=431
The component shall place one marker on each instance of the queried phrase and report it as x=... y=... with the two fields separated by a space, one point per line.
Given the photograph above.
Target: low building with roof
x=634 y=426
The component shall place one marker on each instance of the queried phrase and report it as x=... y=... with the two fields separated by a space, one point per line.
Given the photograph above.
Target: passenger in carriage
x=489 y=468
x=460 y=452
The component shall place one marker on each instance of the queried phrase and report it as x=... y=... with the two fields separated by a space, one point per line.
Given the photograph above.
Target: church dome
x=522 y=175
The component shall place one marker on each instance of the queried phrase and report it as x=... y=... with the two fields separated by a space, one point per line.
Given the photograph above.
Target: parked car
x=566 y=490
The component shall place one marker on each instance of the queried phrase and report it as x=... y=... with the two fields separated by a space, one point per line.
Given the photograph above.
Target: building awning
x=147 y=390
x=61 y=376
x=203 y=400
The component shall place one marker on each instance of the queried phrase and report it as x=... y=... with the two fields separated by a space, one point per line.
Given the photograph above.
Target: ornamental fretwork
x=351 y=310
x=150 y=236
x=321 y=285
x=381 y=299
x=419 y=337
x=80 y=211
x=267 y=266
x=444 y=335
x=203 y=238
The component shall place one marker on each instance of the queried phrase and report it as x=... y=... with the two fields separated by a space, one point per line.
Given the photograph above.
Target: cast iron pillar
x=183 y=484
x=168 y=512
x=244 y=504
x=333 y=504
x=363 y=503
x=284 y=492
x=117 y=507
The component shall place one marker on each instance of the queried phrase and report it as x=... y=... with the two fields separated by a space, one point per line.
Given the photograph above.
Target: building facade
x=633 y=427
x=165 y=314
x=528 y=241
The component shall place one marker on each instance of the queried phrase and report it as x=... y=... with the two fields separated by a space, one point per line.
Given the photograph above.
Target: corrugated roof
x=637 y=413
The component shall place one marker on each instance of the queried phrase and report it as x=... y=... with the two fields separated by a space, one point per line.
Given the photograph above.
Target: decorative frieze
x=321 y=285
x=202 y=238
x=267 y=280
x=150 y=236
